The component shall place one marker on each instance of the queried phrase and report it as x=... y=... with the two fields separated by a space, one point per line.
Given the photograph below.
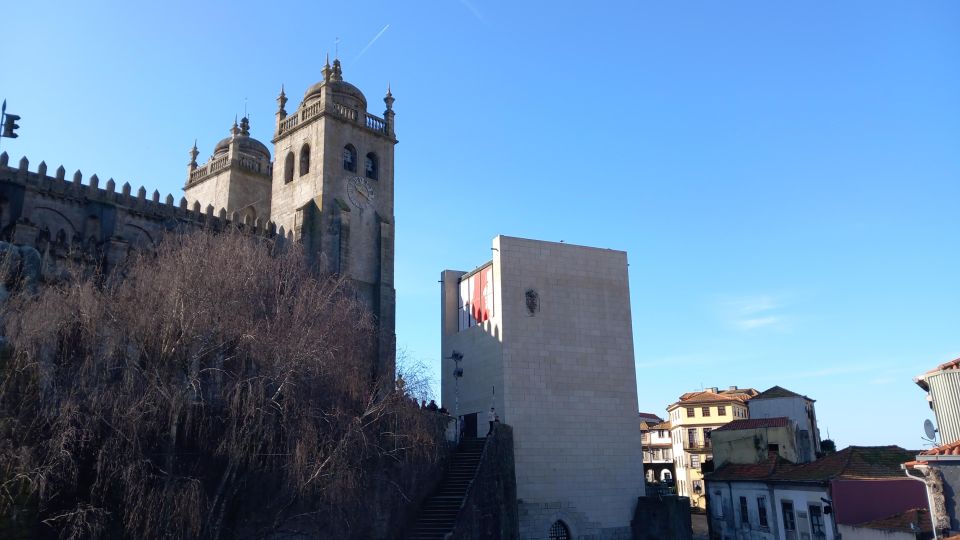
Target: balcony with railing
x=697 y=446
x=308 y=112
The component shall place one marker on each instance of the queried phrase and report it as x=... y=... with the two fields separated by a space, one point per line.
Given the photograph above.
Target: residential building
x=939 y=470
x=692 y=418
x=751 y=441
x=778 y=401
x=780 y=500
x=658 y=468
x=914 y=524
x=942 y=385
x=542 y=332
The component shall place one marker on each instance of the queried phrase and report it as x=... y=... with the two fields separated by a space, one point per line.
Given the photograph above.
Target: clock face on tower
x=359 y=191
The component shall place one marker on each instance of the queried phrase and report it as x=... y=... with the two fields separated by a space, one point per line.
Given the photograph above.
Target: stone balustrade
x=306 y=113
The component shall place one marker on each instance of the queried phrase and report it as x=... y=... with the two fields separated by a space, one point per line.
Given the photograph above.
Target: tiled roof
x=952 y=449
x=661 y=425
x=725 y=396
x=755 y=423
x=920 y=517
x=922 y=379
x=650 y=417
x=779 y=392
x=853 y=462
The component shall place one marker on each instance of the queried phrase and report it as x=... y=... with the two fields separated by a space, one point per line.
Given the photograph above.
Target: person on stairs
x=492 y=417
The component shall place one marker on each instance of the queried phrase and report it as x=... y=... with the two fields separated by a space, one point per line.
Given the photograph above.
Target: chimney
x=712 y=389
x=731 y=389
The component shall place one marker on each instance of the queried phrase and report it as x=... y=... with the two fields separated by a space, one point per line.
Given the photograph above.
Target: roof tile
x=755 y=423
x=853 y=462
x=920 y=517
x=952 y=449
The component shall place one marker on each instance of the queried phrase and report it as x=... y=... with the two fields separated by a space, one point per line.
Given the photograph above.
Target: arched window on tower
x=371 y=166
x=559 y=531
x=305 y=159
x=288 y=168
x=349 y=158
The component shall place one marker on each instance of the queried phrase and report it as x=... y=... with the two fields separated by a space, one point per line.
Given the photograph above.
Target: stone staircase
x=439 y=512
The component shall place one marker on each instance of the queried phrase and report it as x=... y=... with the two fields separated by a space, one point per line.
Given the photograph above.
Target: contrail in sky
x=473 y=9
x=372 y=41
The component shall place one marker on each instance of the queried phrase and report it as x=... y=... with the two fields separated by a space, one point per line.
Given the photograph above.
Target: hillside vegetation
x=214 y=388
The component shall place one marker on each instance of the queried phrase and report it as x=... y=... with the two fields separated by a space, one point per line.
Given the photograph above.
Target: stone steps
x=439 y=512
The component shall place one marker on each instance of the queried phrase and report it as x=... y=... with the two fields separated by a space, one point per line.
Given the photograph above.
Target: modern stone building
x=331 y=190
x=542 y=332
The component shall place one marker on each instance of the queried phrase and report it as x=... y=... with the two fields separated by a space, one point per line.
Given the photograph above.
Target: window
x=371 y=167
x=816 y=521
x=716 y=502
x=666 y=475
x=705 y=411
x=706 y=434
x=349 y=158
x=662 y=433
x=789 y=524
x=305 y=159
x=744 y=516
x=721 y=411
x=691 y=436
x=288 y=168
x=762 y=511
x=691 y=412
x=650 y=475
x=695 y=461
x=559 y=531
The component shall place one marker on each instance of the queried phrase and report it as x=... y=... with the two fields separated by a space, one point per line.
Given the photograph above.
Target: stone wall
x=65 y=218
x=657 y=518
x=489 y=511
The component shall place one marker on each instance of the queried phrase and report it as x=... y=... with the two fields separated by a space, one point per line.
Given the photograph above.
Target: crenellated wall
x=60 y=216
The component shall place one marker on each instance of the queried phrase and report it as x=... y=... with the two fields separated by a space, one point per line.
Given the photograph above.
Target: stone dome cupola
x=341 y=91
x=245 y=143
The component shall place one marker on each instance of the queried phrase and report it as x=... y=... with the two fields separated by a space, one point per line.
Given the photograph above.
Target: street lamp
x=457 y=357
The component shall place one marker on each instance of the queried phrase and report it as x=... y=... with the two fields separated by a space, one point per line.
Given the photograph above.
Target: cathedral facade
x=328 y=187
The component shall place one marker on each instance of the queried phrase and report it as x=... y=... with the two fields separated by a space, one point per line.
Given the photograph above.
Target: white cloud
x=754 y=312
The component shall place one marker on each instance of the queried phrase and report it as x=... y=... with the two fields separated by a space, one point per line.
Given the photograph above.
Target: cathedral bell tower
x=333 y=188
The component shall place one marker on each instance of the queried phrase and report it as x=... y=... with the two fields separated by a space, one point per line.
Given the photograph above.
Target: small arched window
x=559 y=531
x=288 y=168
x=305 y=159
x=349 y=158
x=371 y=166
x=665 y=476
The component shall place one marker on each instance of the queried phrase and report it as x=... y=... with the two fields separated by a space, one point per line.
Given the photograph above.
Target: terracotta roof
x=952 y=449
x=740 y=395
x=919 y=517
x=779 y=392
x=755 y=423
x=922 y=379
x=853 y=462
x=661 y=425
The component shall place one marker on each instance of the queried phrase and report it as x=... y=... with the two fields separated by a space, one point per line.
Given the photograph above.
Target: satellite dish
x=929 y=429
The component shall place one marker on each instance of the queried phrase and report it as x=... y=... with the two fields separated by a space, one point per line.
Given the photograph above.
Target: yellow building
x=692 y=418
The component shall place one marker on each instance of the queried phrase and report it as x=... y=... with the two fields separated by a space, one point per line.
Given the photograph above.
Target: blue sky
x=784 y=178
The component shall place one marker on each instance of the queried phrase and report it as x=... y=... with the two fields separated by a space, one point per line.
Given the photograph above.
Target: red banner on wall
x=476 y=298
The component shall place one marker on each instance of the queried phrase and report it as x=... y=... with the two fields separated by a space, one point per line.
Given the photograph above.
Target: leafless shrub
x=217 y=390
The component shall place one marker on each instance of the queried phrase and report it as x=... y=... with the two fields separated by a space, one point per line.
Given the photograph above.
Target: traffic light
x=10 y=125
